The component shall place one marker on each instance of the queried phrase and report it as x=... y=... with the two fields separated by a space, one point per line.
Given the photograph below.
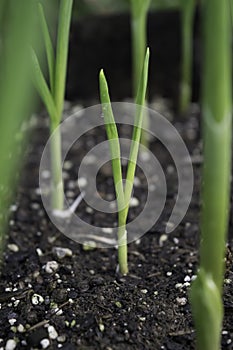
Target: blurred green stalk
x=187 y=20
x=17 y=22
x=206 y=293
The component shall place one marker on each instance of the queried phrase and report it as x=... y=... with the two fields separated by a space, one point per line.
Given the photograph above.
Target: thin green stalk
x=139 y=12
x=62 y=53
x=53 y=97
x=56 y=167
x=48 y=47
x=206 y=293
x=123 y=194
x=187 y=19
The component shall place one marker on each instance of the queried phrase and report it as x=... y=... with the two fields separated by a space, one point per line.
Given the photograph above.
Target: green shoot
x=53 y=95
x=206 y=293
x=139 y=11
x=187 y=19
x=123 y=193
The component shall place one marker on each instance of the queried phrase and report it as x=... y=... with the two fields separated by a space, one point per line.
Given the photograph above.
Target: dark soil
x=87 y=302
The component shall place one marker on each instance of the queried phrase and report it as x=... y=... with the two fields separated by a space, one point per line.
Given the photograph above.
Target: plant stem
x=217 y=110
x=62 y=53
x=138 y=25
x=122 y=241
x=57 y=199
x=187 y=19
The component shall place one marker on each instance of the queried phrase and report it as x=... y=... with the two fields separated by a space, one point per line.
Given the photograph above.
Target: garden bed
x=81 y=295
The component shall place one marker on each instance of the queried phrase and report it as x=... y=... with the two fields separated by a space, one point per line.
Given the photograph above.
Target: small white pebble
x=39 y=252
x=89 y=210
x=134 y=202
x=59 y=312
x=44 y=343
x=67 y=165
x=82 y=182
x=90 y=159
x=178 y=285
x=61 y=338
x=35 y=206
x=16 y=303
x=181 y=301
x=170 y=169
x=13 y=247
x=169 y=273
x=107 y=230
x=162 y=239
x=229 y=341
x=227 y=281
x=62 y=252
x=37 y=299
x=20 y=328
x=187 y=279
x=12 y=321
x=144 y=156
x=142 y=319
x=136 y=182
x=51 y=266
x=170 y=225
x=52 y=332
x=186 y=284
x=224 y=332
x=156 y=292
x=101 y=327
x=10 y=344
x=45 y=174
x=175 y=240
x=144 y=291
x=13 y=207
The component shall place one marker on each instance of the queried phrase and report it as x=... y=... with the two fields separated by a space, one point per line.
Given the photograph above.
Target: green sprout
x=53 y=95
x=206 y=292
x=123 y=193
x=139 y=11
x=187 y=18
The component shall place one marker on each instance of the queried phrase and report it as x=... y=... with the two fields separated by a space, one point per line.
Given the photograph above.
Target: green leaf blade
x=137 y=131
x=113 y=138
x=48 y=45
x=62 y=53
x=42 y=87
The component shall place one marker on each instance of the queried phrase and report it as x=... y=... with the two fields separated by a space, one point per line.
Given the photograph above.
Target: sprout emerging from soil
x=53 y=95
x=187 y=18
x=206 y=293
x=123 y=193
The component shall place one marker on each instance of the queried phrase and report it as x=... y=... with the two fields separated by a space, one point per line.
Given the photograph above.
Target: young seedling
x=187 y=19
x=123 y=192
x=139 y=11
x=206 y=291
x=53 y=95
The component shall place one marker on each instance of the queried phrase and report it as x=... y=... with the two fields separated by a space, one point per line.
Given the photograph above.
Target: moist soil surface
x=80 y=301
